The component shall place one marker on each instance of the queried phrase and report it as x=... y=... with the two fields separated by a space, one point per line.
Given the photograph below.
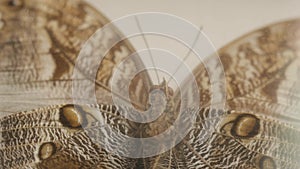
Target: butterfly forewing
x=259 y=125
x=40 y=42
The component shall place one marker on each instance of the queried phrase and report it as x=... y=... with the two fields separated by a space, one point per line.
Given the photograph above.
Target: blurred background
x=221 y=21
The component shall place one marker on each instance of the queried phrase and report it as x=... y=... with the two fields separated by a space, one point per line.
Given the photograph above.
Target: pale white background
x=222 y=20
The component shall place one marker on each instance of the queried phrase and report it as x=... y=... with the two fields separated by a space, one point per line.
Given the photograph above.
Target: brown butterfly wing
x=266 y=63
x=259 y=125
x=62 y=136
x=40 y=42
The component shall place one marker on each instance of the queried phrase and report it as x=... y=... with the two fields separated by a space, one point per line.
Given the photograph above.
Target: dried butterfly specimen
x=40 y=40
x=259 y=127
x=40 y=43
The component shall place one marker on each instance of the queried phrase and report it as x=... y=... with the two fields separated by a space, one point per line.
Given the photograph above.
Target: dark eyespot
x=245 y=126
x=266 y=163
x=72 y=116
x=15 y=3
x=46 y=150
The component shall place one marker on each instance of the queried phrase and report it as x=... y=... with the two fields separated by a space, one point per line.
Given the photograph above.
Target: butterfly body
x=227 y=138
x=40 y=127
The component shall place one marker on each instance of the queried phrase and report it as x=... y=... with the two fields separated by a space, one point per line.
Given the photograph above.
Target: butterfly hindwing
x=40 y=43
x=259 y=125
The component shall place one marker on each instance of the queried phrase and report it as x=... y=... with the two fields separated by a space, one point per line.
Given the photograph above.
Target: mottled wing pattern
x=267 y=65
x=259 y=126
x=62 y=136
x=40 y=41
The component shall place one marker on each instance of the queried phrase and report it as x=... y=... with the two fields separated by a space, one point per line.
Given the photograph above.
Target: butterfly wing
x=266 y=63
x=40 y=42
x=62 y=136
x=259 y=125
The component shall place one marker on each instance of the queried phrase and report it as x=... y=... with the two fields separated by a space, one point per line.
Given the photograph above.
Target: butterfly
x=41 y=128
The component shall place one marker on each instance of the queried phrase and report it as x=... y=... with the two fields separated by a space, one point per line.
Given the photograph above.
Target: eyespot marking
x=1 y=21
x=266 y=162
x=72 y=116
x=245 y=126
x=15 y=2
x=46 y=150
